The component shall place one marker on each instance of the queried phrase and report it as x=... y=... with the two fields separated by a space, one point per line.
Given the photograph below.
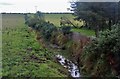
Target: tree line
x=97 y=15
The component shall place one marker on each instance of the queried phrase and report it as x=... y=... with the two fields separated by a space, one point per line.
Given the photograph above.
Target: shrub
x=32 y=20
x=38 y=23
x=66 y=29
x=103 y=54
x=61 y=39
x=47 y=30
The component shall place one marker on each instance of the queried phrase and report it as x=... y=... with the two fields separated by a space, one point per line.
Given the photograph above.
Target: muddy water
x=72 y=68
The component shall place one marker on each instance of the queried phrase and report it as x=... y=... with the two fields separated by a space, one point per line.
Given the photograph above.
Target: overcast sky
x=29 y=5
x=22 y=6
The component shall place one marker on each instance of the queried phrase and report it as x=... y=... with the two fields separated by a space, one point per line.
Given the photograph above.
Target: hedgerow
x=102 y=56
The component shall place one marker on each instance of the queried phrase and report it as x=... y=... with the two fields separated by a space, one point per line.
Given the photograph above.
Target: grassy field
x=55 y=18
x=22 y=55
x=86 y=32
x=12 y=21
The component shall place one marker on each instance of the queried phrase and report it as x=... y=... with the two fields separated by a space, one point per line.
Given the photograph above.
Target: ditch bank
x=74 y=48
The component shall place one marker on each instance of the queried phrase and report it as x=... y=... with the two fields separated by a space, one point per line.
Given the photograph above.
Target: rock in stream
x=72 y=68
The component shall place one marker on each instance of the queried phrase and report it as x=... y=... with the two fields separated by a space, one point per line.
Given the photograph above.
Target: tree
x=97 y=15
x=102 y=56
x=34 y=20
x=40 y=15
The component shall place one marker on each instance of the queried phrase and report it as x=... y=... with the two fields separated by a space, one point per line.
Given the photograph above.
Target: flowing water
x=72 y=68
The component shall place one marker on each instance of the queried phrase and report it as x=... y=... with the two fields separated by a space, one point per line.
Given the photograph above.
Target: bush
x=47 y=30
x=32 y=20
x=103 y=54
x=66 y=29
x=38 y=23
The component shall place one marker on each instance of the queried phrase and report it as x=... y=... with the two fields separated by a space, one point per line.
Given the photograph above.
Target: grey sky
x=42 y=5
x=97 y=0
x=5 y=3
x=29 y=5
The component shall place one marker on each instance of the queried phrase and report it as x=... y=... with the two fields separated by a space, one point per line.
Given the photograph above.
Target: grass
x=22 y=55
x=12 y=21
x=86 y=32
x=55 y=18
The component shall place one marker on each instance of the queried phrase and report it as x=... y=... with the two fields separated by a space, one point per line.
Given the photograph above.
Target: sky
x=25 y=6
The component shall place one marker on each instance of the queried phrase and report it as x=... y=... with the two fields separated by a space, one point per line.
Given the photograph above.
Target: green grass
x=22 y=55
x=55 y=18
x=86 y=32
x=12 y=21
